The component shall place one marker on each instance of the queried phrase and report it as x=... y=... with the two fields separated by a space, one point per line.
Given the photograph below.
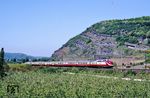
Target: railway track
x=106 y=69
x=92 y=66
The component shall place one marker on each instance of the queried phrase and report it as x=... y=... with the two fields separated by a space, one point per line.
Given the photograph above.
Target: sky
x=39 y=27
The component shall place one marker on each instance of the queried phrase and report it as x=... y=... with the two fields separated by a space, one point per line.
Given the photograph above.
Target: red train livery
x=97 y=63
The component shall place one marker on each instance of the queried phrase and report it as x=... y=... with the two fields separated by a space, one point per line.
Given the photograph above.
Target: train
x=98 y=63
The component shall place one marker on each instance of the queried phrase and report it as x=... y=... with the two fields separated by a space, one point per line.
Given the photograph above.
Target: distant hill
x=17 y=56
x=107 y=39
x=20 y=56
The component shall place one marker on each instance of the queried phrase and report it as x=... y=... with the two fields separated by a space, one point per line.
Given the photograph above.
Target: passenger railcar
x=97 y=63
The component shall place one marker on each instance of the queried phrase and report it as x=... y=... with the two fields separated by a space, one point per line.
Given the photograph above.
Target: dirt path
x=109 y=77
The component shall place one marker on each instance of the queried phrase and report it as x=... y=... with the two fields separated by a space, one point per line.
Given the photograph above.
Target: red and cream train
x=98 y=63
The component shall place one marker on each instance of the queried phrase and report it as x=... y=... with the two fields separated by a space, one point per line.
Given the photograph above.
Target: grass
x=11 y=65
x=59 y=85
x=19 y=67
x=115 y=73
x=55 y=83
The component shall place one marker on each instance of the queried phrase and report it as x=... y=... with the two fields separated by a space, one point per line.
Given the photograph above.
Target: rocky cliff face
x=87 y=46
x=102 y=40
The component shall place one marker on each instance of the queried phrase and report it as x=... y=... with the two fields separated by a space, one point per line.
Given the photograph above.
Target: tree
x=23 y=60
x=132 y=40
x=27 y=60
x=147 y=58
x=141 y=34
x=2 y=71
x=148 y=34
x=14 y=60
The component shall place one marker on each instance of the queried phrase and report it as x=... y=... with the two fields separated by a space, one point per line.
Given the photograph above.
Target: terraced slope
x=107 y=39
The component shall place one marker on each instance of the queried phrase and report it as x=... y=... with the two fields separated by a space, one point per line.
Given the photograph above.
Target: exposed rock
x=102 y=39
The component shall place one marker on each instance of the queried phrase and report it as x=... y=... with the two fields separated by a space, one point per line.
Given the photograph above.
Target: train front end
x=109 y=63
x=105 y=63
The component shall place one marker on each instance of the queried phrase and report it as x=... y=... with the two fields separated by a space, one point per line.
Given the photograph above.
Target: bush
x=38 y=84
x=129 y=73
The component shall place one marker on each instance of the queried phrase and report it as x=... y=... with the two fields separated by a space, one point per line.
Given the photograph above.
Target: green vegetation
x=104 y=37
x=19 y=67
x=72 y=41
x=2 y=71
x=127 y=30
x=88 y=41
x=148 y=58
x=22 y=58
x=45 y=82
x=111 y=73
x=54 y=83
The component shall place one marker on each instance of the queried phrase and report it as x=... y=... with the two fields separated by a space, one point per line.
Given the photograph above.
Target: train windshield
x=102 y=60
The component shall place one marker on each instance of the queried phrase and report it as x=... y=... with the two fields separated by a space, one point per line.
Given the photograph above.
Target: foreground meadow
x=58 y=84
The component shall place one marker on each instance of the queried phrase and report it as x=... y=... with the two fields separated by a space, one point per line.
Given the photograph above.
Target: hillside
x=19 y=56
x=107 y=39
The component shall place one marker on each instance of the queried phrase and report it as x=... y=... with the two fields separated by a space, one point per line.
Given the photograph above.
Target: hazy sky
x=39 y=27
